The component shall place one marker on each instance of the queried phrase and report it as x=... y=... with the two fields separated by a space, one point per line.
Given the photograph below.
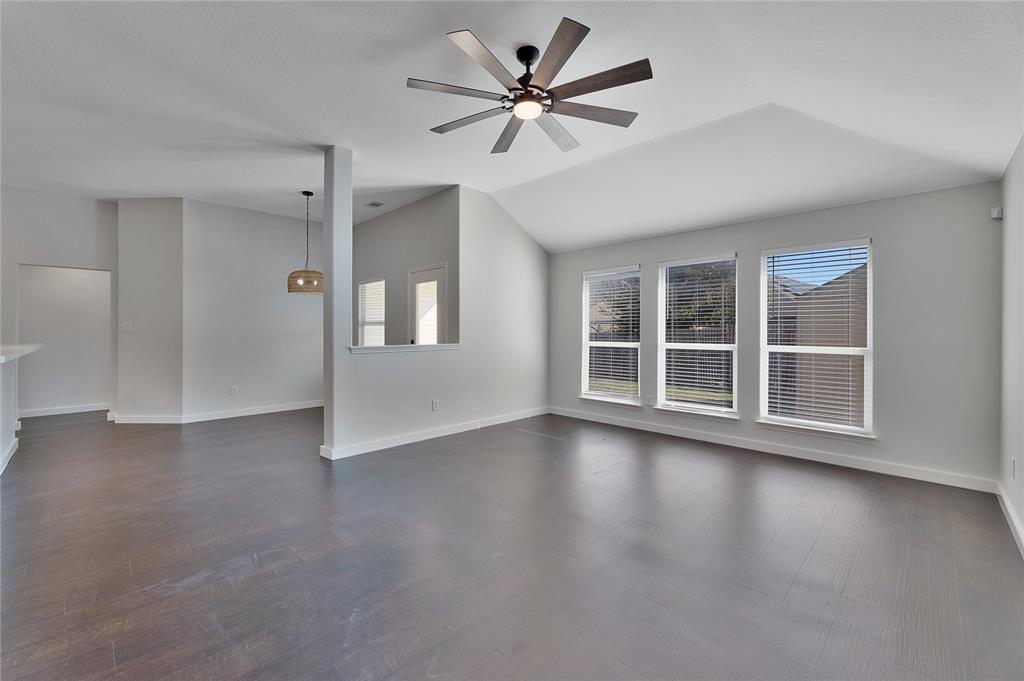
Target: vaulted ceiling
x=755 y=109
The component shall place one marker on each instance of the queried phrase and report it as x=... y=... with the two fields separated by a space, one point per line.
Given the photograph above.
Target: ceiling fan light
x=527 y=109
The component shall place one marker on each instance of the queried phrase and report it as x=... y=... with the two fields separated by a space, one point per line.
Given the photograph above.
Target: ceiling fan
x=531 y=96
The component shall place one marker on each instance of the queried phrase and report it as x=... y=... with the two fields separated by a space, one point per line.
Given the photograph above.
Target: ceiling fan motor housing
x=527 y=55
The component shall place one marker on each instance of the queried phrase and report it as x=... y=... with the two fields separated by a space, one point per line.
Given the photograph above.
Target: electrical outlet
x=234 y=391
x=435 y=405
x=649 y=400
x=127 y=326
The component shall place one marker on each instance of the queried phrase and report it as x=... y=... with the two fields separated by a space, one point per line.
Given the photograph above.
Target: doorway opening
x=67 y=310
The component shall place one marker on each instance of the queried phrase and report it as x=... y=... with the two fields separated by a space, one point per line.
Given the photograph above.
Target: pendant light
x=306 y=280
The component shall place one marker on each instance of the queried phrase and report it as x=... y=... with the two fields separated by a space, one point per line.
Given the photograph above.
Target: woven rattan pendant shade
x=306 y=280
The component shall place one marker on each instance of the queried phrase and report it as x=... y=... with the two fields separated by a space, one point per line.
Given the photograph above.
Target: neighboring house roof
x=794 y=286
x=797 y=288
x=841 y=279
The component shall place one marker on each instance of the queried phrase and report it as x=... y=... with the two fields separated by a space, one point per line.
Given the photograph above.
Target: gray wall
x=47 y=229
x=241 y=327
x=1013 y=338
x=150 y=297
x=937 y=315
x=420 y=234
x=497 y=372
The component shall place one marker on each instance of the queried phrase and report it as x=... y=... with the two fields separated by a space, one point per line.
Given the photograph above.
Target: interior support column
x=337 y=249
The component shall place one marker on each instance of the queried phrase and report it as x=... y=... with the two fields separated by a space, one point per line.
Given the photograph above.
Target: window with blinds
x=697 y=334
x=816 y=337
x=611 y=334
x=371 y=313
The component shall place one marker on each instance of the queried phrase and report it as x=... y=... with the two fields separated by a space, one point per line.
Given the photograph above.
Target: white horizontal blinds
x=817 y=343
x=614 y=371
x=827 y=389
x=818 y=298
x=699 y=377
x=611 y=333
x=699 y=325
x=371 y=313
x=700 y=303
x=614 y=307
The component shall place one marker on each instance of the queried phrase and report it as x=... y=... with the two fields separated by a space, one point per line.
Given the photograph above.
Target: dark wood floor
x=543 y=549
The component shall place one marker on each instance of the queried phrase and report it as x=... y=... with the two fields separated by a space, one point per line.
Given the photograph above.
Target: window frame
x=663 y=346
x=360 y=325
x=585 y=392
x=866 y=352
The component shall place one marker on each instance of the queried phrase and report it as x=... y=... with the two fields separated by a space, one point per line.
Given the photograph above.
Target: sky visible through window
x=818 y=267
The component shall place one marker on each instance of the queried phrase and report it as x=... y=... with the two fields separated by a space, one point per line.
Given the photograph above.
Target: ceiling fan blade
x=483 y=115
x=418 y=84
x=507 y=135
x=472 y=46
x=621 y=75
x=594 y=113
x=558 y=134
x=564 y=42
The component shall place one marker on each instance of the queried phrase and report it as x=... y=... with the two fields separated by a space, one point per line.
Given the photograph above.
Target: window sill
x=623 y=401
x=784 y=424
x=370 y=349
x=689 y=411
x=9 y=353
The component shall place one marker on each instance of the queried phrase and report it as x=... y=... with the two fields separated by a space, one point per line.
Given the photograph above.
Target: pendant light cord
x=307 y=233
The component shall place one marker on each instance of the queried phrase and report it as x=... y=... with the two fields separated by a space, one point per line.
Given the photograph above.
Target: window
x=371 y=313
x=611 y=334
x=697 y=335
x=426 y=312
x=426 y=305
x=816 y=337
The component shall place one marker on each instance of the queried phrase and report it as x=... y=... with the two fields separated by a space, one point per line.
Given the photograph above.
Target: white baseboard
x=846 y=460
x=8 y=454
x=146 y=418
x=250 y=411
x=213 y=415
x=111 y=416
x=428 y=434
x=67 y=409
x=17 y=425
x=1012 y=519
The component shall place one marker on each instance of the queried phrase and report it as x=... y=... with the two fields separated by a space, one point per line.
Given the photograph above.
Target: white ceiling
x=755 y=109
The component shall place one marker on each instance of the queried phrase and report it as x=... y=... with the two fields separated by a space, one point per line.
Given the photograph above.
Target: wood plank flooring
x=546 y=549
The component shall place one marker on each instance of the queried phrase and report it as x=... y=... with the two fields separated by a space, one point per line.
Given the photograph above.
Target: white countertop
x=9 y=353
